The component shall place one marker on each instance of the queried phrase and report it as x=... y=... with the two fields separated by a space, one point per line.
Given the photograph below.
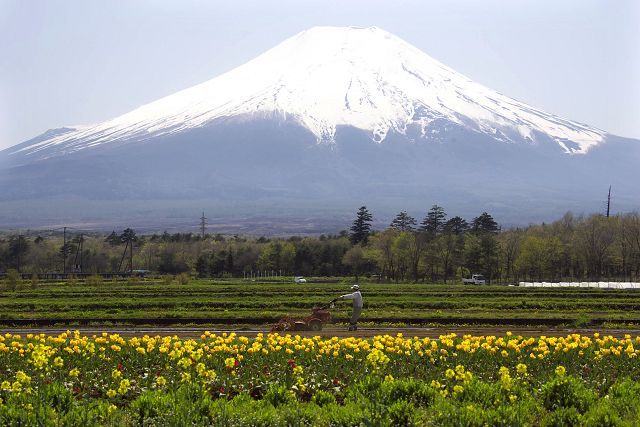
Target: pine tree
x=361 y=227
x=456 y=225
x=434 y=221
x=403 y=222
x=484 y=223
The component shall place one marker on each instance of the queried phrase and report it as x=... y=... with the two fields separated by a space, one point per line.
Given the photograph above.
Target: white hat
x=355 y=287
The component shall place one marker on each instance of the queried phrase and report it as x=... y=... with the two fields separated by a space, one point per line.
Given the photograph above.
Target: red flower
x=335 y=381
x=265 y=369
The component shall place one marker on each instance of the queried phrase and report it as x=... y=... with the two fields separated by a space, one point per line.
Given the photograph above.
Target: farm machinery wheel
x=315 y=325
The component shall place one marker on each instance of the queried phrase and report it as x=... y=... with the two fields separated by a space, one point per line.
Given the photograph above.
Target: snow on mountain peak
x=326 y=77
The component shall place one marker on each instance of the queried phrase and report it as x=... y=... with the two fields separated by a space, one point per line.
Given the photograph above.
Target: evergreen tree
x=361 y=227
x=456 y=225
x=434 y=221
x=113 y=239
x=403 y=222
x=128 y=235
x=484 y=223
x=201 y=266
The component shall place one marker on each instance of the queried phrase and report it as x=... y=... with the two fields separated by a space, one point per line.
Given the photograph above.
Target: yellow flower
x=230 y=362
x=522 y=369
x=560 y=371
x=161 y=381
x=124 y=386
x=74 y=372
x=116 y=374
x=22 y=377
x=58 y=362
x=111 y=393
x=389 y=379
x=449 y=373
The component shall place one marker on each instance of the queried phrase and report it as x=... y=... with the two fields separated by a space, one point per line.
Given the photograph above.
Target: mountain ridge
x=328 y=77
x=348 y=120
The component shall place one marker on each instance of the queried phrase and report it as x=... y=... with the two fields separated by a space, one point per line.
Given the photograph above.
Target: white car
x=300 y=279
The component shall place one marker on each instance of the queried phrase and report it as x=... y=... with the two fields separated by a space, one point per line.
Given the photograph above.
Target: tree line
x=437 y=248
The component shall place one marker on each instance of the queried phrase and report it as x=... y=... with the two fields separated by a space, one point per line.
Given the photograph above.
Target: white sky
x=65 y=63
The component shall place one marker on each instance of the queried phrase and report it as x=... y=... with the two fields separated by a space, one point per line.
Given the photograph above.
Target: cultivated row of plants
x=248 y=299
x=285 y=380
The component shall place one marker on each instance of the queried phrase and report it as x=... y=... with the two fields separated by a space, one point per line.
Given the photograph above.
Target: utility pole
x=19 y=250
x=81 y=251
x=202 y=225
x=609 y=202
x=64 y=251
x=131 y=253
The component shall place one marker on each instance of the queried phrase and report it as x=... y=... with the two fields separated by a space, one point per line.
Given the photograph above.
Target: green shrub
x=563 y=417
x=401 y=413
x=322 y=398
x=566 y=392
x=35 y=281
x=625 y=398
x=150 y=405
x=13 y=280
x=363 y=390
x=183 y=279
x=604 y=415
x=133 y=280
x=451 y=415
x=413 y=390
x=59 y=397
x=94 y=280
x=279 y=395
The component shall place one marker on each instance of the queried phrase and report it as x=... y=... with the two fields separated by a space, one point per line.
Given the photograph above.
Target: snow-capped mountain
x=328 y=77
x=347 y=115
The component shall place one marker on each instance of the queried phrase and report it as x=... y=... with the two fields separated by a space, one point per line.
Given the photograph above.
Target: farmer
x=357 y=306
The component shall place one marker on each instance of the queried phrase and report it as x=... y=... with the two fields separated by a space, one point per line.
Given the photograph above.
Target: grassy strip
x=239 y=299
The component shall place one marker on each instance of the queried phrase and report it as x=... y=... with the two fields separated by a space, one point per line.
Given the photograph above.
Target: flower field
x=283 y=380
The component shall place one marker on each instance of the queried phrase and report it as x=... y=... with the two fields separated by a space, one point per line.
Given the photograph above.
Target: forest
x=437 y=249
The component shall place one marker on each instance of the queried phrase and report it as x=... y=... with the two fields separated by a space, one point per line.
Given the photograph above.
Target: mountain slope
x=327 y=77
x=351 y=116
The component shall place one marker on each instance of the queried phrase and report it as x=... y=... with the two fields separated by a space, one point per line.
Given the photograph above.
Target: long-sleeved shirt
x=356 y=297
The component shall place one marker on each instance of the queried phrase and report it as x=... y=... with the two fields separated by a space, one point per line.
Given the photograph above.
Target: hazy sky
x=66 y=63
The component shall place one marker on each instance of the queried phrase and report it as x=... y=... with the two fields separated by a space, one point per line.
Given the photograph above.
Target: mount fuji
x=341 y=115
